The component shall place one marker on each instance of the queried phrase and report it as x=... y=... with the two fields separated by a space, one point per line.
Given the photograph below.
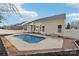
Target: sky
x=33 y=11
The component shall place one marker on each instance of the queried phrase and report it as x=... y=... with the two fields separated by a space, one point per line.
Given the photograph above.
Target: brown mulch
x=3 y=51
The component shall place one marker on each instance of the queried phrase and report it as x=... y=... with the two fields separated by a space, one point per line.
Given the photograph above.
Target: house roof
x=50 y=18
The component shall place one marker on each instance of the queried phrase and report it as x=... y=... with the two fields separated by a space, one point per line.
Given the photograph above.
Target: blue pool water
x=30 y=38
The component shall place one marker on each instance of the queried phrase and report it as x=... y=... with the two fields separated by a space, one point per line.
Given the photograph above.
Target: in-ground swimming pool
x=30 y=38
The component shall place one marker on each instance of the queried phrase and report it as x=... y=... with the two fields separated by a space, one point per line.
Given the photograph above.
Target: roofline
x=46 y=17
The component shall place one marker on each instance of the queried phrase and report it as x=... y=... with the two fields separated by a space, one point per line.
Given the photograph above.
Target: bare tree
x=1 y=18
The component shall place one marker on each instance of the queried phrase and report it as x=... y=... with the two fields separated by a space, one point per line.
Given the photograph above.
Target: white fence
x=72 y=33
x=10 y=31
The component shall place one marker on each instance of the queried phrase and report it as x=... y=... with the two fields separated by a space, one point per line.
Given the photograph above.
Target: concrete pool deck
x=48 y=43
x=51 y=45
x=68 y=45
x=11 y=44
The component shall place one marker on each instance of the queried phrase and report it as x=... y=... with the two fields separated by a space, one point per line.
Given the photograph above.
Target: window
x=34 y=27
x=59 y=28
x=43 y=28
x=31 y=27
x=40 y=27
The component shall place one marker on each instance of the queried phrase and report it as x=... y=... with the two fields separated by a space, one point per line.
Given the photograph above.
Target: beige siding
x=51 y=25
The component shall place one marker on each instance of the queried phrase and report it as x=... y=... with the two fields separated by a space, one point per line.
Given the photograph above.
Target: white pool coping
x=48 y=43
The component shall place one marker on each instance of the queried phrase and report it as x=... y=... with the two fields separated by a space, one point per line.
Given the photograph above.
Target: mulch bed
x=77 y=42
x=62 y=53
x=2 y=49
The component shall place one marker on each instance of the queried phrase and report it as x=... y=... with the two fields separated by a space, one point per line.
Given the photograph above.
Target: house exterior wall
x=28 y=28
x=51 y=26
